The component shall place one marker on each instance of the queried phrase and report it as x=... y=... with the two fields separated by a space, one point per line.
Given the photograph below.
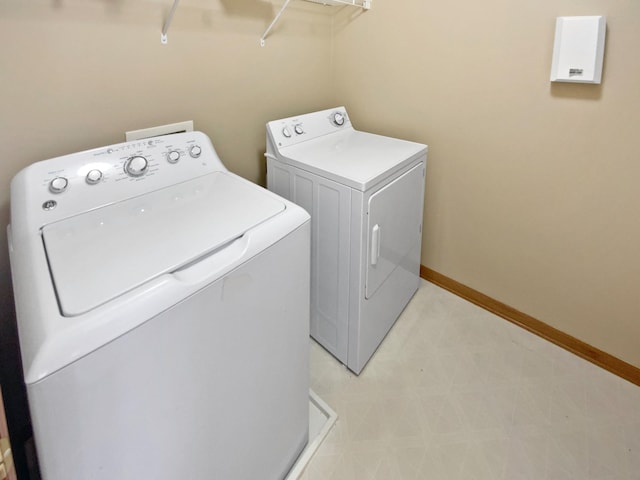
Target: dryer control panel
x=294 y=130
x=106 y=175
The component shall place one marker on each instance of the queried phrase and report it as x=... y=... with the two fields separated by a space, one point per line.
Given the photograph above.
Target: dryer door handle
x=375 y=244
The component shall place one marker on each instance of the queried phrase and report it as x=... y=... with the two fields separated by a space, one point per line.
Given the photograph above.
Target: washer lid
x=357 y=159
x=99 y=255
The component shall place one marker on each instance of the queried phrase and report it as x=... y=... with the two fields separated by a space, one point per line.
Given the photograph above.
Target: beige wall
x=533 y=189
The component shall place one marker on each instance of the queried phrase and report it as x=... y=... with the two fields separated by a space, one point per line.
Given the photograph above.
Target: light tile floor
x=455 y=392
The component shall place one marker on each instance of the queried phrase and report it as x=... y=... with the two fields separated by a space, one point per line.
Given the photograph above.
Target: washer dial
x=286 y=132
x=195 y=151
x=173 y=156
x=58 y=185
x=136 y=166
x=338 y=119
x=298 y=129
x=94 y=176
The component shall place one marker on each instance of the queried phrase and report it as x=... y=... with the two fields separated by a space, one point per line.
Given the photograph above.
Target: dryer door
x=394 y=226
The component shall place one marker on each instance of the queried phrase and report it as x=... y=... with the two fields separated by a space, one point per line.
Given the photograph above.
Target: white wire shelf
x=364 y=4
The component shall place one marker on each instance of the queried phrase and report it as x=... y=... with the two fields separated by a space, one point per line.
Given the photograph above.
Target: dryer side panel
x=331 y=220
x=329 y=204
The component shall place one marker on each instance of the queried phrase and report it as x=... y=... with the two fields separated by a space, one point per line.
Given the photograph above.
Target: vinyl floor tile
x=455 y=392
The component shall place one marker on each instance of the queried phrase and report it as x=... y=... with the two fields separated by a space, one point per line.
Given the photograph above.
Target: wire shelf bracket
x=364 y=4
x=167 y=22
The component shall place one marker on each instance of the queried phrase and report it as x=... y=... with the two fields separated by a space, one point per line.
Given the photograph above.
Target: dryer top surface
x=357 y=159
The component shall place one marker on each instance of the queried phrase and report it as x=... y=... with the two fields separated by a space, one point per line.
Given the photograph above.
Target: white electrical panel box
x=578 y=50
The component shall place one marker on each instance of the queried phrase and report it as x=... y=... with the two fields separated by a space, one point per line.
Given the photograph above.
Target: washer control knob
x=58 y=185
x=93 y=177
x=286 y=132
x=173 y=156
x=298 y=129
x=136 y=166
x=195 y=151
x=338 y=119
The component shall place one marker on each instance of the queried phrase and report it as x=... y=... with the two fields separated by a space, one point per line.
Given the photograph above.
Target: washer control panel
x=293 y=130
x=107 y=175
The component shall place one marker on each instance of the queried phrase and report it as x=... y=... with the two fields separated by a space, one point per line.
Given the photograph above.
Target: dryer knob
x=338 y=119
x=136 y=166
x=286 y=132
x=58 y=185
x=195 y=151
x=298 y=129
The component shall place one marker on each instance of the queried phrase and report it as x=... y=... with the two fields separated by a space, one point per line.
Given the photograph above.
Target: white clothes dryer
x=365 y=194
x=163 y=311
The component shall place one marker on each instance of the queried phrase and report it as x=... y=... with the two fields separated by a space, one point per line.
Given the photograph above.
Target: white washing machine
x=163 y=310
x=365 y=194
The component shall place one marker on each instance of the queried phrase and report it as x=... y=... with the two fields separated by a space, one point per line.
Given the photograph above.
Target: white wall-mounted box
x=180 y=127
x=578 y=50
